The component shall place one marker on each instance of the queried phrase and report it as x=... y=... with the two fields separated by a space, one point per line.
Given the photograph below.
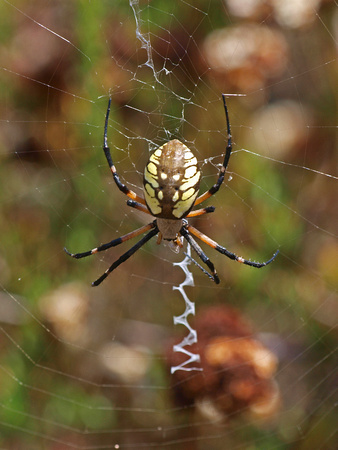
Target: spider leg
x=113 y=243
x=228 y=150
x=200 y=212
x=185 y=233
x=226 y=252
x=126 y=255
x=123 y=188
x=199 y=266
x=138 y=206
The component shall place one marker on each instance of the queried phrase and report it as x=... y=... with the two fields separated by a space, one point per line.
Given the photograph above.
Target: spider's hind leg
x=112 y=243
x=226 y=252
x=185 y=233
x=126 y=255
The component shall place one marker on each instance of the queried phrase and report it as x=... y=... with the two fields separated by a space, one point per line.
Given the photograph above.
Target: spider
x=170 y=185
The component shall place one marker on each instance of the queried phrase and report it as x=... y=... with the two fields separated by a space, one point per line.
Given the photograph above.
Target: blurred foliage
x=57 y=390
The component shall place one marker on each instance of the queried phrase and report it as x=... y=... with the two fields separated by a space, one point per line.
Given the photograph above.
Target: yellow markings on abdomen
x=151 y=200
x=188 y=154
x=152 y=168
x=191 y=162
x=150 y=190
x=150 y=177
x=190 y=171
x=183 y=206
x=191 y=182
x=171 y=181
x=189 y=186
x=176 y=196
x=151 y=184
x=154 y=157
x=187 y=194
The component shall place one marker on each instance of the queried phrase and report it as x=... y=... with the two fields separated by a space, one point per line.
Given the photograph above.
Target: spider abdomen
x=171 y=181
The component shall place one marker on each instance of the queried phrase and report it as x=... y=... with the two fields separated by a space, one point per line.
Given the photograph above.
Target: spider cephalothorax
x=171 y=185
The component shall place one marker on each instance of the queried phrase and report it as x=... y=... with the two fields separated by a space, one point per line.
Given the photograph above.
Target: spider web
x=90 y=368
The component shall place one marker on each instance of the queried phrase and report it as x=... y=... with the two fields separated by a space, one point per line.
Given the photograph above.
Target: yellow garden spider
x=170 y=185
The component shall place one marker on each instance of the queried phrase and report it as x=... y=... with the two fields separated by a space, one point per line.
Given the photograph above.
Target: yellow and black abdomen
x=171 y=181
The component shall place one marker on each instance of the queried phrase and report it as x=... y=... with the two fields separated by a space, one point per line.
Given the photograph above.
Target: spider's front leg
x=122 y=187
x=228 y=151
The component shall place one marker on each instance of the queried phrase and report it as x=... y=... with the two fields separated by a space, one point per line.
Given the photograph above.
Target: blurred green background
x=86 y=368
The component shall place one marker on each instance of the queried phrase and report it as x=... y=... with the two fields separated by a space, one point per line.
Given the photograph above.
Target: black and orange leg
x=114 y=242
x=138 y=206
x=200 y=212
x=185 y=233
x=126 y=255
x=199 y=266
x=228 y=150
x=226 y=252
x=123 y=188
